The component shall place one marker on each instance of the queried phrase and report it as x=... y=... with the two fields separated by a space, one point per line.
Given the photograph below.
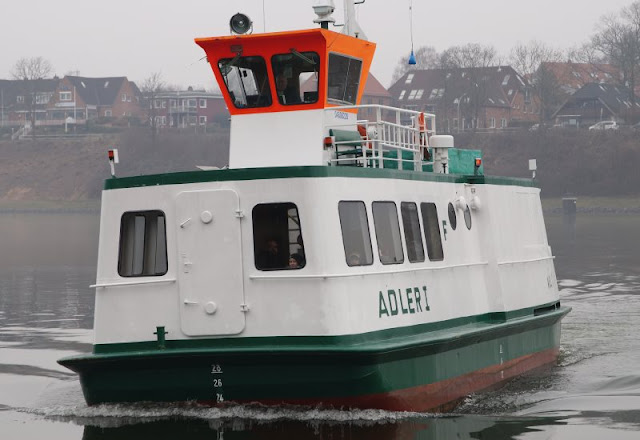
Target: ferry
x=339 y=261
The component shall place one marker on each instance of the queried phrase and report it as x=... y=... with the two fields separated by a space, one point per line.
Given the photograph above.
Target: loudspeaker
x=240 y=24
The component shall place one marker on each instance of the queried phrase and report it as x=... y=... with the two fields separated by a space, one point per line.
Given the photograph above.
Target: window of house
x=192 y=103
x=344 y=79
x=43 y=98
x=143 y=244
x=192 y=119
x=203 y=103
x=124 y=97
x=247 y=81
x=419 y=94
x=505 y=81
x=128 y=98
x=402 y=94
x=157 y=103
x=409 y=78
x=277 y=237
x=164 y=119
x=296 y=76
x=107 y=113
x=431 y=227
x=65 y=96
x=385 y=220
x=510 y=92
x=20 y=99
x=412 y=235
x=492 y=123
x=203 y=120
x=172 y=103
x=356 y=237
x=503 y=123
x=412 y=94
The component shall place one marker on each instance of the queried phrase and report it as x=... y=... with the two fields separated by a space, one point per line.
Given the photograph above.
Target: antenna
x=412 y=57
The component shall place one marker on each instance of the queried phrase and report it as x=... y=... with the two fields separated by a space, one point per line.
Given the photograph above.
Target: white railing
x=392 y=129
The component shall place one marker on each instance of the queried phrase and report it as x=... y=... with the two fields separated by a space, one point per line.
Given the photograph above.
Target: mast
x=351 y=26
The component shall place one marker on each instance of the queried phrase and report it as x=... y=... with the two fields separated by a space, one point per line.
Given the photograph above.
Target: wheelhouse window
x=432 y=231
x=143 y=244
x=355 y=233
x=344 y=79
x=297 y=76
x=247 y=81
x=412 y=234
x=277 y=237
x=385 y=219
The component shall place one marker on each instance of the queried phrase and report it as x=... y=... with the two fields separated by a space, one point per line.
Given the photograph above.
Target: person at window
x=296 y=261
x=285 y=91
x=271 y=257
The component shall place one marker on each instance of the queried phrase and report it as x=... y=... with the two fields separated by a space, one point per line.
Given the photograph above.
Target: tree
x=618 y=40
x=426 y=58
x=531 y=61
x=31 y=72
x=150 y=87
x=475 y=59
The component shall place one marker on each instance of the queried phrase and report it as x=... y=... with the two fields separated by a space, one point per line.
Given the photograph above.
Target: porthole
x=467 y=217
x=453 y=221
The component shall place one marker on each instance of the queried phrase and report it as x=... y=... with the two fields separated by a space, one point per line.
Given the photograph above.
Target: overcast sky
x=134 y=38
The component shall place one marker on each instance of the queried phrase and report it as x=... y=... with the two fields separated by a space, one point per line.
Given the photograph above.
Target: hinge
x=239 y=213
x=244 y=308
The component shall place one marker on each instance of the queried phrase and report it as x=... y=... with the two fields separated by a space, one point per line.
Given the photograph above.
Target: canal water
x=47 y=262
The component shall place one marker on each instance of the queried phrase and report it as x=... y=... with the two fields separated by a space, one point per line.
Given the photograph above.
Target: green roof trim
x=305 y=172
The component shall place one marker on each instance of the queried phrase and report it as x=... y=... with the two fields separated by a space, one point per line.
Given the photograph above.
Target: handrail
x=134 y=283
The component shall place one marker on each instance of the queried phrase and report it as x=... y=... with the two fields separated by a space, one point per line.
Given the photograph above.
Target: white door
x=210 y=258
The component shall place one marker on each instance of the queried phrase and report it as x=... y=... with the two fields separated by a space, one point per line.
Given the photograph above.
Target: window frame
x=398 y=232
x=359 y=82
x=417 y=236
x=277 y=66
x=432 y=247
x=259 y=236
x=367 y=258
x=264 y=97
x=121 y=248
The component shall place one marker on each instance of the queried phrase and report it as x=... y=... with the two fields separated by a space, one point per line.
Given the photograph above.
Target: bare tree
x=426 y=58
x=31 y=72
x=150 y=87
x=475 y=59
x=531 y=60
x=618 y=40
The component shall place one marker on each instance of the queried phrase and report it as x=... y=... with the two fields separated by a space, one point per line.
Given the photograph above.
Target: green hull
x=395 y=369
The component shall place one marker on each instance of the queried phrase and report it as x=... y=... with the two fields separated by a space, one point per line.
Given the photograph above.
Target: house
x=571 y=77
x=187 y=108
x=595 y=102
x=468 y=98
x=83 y=98
x=374 y=93
x=19 y=98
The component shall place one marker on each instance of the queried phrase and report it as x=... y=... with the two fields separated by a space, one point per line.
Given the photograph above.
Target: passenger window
x=344 y=79
x=247 y=81
x=453 y=220
x=412 y=234
x=143 y=244
x=385 y=219
x=432 y=231
x=296 y=77
x=277 y=237
x=355 y=233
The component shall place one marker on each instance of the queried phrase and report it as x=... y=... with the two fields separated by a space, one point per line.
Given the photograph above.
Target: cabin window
x=277 y=237
x=453 y=220
x=412 y=235
x=355 y=233
x=296 y=77
x=432 y=230
x=143 y=244
x=344 y=79
x=385 y=219
x=247 y=81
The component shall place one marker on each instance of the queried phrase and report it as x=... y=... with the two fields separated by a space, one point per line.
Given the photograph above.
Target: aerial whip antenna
x=412 y=57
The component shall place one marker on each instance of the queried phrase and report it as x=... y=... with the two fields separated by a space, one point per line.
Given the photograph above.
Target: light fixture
x=240 y=24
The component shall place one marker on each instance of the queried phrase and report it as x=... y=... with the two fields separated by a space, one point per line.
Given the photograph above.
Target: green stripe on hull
x=396 y=338
x=305 y=172
x=288 y=375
